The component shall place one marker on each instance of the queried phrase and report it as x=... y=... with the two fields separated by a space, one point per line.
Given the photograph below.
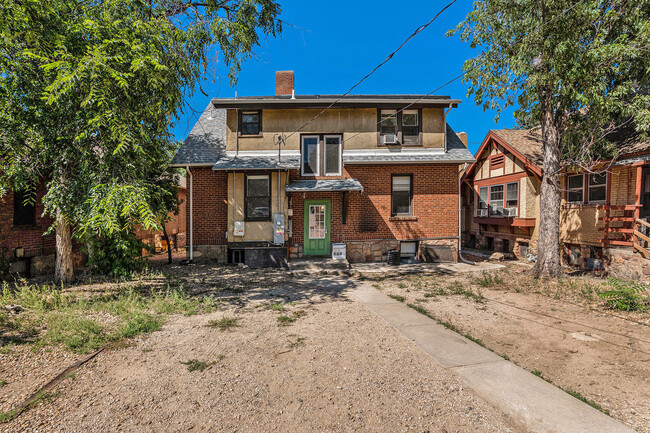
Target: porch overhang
x=327 y=185
x=288 y=162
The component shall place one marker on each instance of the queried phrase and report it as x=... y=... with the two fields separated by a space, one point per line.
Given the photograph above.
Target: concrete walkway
x=382 y=270
x=540 y=406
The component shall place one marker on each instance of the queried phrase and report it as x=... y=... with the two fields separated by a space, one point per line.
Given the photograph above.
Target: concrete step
x=319 y=266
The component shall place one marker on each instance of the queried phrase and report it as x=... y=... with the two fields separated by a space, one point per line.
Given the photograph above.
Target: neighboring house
x=280 y=177
x=176 y=227
x=24 y=248
x=600 y=210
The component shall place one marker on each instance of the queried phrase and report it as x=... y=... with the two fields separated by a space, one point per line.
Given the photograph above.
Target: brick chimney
x=463 y=137
x=283 y=83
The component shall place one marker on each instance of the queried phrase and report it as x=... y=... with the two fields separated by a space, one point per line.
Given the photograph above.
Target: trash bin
x=394 y=258
x=338 y=251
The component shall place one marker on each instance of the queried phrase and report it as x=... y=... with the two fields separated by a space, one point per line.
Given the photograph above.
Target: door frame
x=328 y=226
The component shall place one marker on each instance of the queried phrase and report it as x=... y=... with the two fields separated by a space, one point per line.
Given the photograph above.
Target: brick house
x=281 y=177
x=23 y=246
x=603 y=212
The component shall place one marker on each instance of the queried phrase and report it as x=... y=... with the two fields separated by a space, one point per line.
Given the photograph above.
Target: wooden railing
x=641 y=237
x=620 y=227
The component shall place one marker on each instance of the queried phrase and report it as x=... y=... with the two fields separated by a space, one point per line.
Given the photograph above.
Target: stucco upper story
x=243 y=133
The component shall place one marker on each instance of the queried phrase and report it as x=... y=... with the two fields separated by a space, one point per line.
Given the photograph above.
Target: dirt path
x=337 y=367
x=603 y=357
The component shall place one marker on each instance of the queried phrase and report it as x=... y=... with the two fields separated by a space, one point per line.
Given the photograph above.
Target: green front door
x=317 y=228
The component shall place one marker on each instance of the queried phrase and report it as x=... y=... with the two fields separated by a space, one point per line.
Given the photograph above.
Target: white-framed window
x=310 y=154
x=321 y=155
x=496 y=200
x=401 y=195
x=332 y=146
x=483 y=197
x=575 y=188
x=597 y=187
x=512 y=195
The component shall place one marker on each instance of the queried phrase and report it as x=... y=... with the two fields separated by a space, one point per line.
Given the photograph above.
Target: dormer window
x=400 y=127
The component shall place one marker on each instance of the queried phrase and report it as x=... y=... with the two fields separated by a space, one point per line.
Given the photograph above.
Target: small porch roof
x=335 y=185
x=288 y=162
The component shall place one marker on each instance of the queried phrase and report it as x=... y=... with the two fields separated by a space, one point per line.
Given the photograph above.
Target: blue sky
x=343 y=41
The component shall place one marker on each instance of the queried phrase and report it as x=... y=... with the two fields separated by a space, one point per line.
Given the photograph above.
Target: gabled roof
x=206 y=142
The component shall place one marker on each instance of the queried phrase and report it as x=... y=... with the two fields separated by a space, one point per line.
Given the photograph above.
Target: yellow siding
x=358 y=126
x=254 y=230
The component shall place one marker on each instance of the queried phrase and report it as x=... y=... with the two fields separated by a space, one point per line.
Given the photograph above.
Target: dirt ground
x=334 y=366
x=565 y=335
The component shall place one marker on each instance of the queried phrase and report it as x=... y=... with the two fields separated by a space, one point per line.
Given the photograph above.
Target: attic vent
x=497 y=161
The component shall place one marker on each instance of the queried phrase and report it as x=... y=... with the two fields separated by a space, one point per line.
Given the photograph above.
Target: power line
x=538 y=28
x=390 y=56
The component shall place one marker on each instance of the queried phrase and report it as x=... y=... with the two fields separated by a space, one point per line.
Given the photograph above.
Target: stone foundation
x=369 y=251
x=441 y=250
x=624 y=264
x=210 y=252
x=515 y=243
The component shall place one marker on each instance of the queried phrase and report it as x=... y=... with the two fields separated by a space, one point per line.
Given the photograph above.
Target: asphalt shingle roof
x=287 y=162
x=324 y=185
x=206 y=142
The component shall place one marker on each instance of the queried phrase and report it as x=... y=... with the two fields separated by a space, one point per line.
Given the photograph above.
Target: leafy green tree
x=577 y=69
x=87 y=93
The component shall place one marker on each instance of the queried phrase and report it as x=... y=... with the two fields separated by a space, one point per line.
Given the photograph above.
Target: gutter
x=460 y=221
x=191 y=176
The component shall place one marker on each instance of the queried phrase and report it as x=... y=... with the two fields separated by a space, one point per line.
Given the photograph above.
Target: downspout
x=460 y=221
x=189 y=172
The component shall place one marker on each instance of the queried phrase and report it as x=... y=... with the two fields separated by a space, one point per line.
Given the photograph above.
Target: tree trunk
x=169 y=249
x=548 y=246
x=63 y=271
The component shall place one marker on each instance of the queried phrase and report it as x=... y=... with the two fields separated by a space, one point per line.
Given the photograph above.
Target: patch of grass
x=138 y=323
x=224 y=324
x=401 y=285
x=3 y=383
x=277 y=307
x=147 y=349
x=195 y=364
x=286 y=320
x=398 y=298
x=457 y=288
x=488 y=279
x=299 y=342
x=7 y=416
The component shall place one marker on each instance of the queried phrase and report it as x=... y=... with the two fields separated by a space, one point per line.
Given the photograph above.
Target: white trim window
x=512 y=195
x=310 y=155
x=496 y=200
x=575 y=188
x=597 y=187
x=332 y=146
x=483 y=197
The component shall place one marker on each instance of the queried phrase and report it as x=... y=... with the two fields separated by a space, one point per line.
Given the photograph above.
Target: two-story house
x=285 y=176
x=604 y=214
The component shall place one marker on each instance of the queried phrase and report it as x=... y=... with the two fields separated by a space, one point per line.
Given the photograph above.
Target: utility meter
x=278 y=228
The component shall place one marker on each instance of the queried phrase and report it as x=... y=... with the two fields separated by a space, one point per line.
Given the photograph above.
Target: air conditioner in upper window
x=389 y=139
x=481 y=212
x=510 y=212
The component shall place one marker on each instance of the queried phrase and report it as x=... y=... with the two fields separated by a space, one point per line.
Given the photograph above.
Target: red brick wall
x=210 y=206
x=435 y=204
x=28 y=237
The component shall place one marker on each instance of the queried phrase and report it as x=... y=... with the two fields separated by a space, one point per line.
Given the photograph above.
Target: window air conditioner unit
x=510 y=212
x=389 y=139
x=481 y=212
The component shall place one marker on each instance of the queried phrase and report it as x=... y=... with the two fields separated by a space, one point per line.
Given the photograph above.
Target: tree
x=575 y=69
x=88 y=90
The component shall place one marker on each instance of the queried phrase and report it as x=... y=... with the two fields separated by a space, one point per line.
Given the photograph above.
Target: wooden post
x=637 y=201
x=608 y=203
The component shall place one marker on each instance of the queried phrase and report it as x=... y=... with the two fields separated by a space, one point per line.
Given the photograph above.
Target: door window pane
x=333 y=155
x=401 y=195
x=317 y=225
x=310 y=157
x=496 y=200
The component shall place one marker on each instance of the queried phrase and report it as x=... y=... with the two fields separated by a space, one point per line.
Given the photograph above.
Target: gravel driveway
x=337 y=367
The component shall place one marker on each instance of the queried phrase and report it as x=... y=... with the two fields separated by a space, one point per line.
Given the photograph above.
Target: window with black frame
x=258 y=198
x=402 y=195
x=24 y=210
x=250 y=122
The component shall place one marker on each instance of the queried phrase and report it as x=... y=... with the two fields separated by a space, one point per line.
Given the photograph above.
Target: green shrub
x=118 y=255
x=625 y=296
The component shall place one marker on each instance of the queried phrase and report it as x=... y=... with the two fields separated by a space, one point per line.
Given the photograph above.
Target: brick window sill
x=403 y=218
